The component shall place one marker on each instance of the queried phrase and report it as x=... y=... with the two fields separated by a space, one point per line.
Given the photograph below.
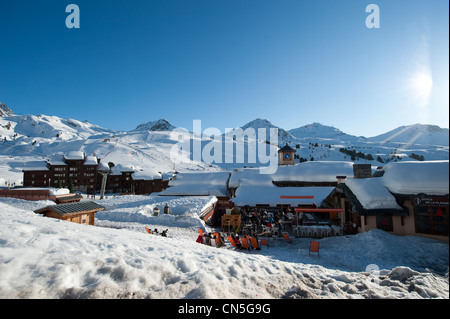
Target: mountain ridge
x=26 y=139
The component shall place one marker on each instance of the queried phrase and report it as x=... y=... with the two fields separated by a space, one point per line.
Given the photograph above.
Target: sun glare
x=421 y=86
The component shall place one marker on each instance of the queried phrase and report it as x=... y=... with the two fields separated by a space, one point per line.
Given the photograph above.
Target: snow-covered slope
x=416 y=134
x=317 y=130
x=42 y=257
x=283 y=136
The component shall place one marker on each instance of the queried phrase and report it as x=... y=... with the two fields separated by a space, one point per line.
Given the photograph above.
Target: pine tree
x=71 y=186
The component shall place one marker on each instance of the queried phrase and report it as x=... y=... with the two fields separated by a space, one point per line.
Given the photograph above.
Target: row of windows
x=431 y=220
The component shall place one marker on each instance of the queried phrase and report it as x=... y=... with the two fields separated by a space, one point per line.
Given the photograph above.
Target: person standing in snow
x=237 y=242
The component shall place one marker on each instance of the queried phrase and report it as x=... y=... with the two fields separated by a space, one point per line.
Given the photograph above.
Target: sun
x=421 y=86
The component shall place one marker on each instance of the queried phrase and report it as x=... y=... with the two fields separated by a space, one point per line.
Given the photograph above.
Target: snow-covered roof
x=199 y=184
x=255 y=188
x=372 y=194
x=90 y=160
x=74 y=155
x=52 y=190
x=324 y=171
x=315 y=171
x=146 y=174
x=116 y=169
x=59 y=191
x=270 y=194
x=57 y=160
x=400 y=178
x=42 y=167
x=413 y=178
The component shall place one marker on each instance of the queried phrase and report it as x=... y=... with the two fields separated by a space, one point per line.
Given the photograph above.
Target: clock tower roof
x=286 y=148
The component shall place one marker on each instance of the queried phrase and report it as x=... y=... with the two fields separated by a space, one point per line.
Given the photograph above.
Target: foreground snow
x=46 y=258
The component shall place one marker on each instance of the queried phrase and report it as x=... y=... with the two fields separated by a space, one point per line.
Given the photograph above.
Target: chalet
x=81 y=213
x=406 y=198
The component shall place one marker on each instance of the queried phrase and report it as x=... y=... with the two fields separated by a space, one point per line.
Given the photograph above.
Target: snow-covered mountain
x=4 y=110
x=283 y=135
x=159 y=125
x=416 y=134
x=25 y=139
x=317 y=130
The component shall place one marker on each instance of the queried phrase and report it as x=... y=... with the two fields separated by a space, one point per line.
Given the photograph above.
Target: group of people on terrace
x=259 y=218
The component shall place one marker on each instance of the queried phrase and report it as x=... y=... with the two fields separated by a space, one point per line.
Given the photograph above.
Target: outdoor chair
x=264 y=242
x=314 y=248
x=148 y=230
x=254 y=243
x=245 y=243
x=231 y=241
x=286 y=237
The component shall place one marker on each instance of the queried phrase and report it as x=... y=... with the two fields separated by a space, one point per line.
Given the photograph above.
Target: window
x=431 y=220
x=385 y=223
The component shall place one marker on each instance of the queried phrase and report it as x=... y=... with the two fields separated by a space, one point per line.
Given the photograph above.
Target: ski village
x=89 y=212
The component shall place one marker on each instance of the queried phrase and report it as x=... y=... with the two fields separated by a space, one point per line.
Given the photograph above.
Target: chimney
x=362 y=170
x=340 y=178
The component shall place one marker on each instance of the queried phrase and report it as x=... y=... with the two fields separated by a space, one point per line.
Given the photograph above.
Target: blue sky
x=227 y=62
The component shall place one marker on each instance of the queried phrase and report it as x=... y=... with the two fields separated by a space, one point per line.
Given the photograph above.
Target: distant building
x=83 y=172
x=59 y=170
